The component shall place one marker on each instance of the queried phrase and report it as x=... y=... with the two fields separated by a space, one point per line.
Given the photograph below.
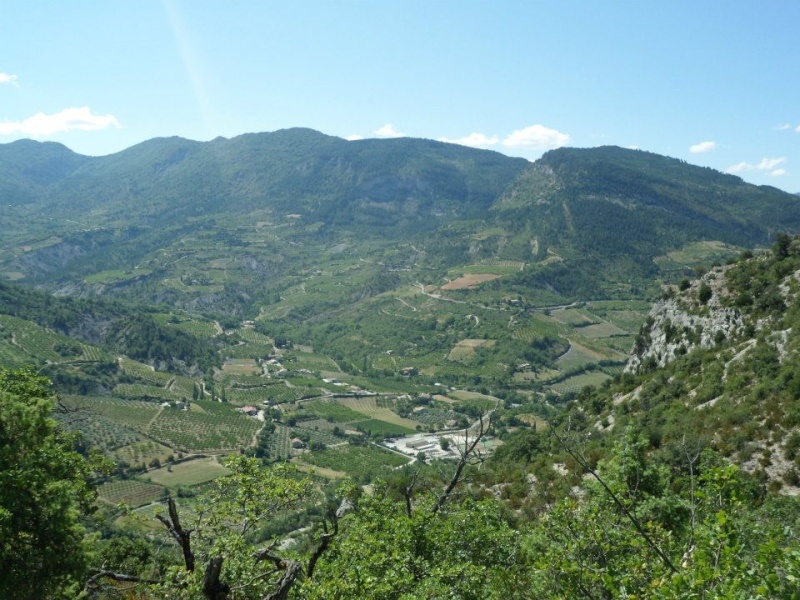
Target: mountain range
x=605 y=212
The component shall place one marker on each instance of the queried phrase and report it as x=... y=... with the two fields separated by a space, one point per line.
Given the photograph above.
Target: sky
x=713 y=82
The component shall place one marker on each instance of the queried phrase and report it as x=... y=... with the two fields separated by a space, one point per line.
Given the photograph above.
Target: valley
x=406 y=325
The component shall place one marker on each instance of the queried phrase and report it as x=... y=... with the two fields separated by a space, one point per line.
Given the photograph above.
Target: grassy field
x=381 y=428
x=578 y=355
x=188 y=473
x=599 y=330
x=575 y=384
x=332 y=410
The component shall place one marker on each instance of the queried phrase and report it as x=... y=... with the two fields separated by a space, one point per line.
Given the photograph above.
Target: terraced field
x=32 y=339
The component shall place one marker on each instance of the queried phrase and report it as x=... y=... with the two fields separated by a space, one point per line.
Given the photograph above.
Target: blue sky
x=716 y=83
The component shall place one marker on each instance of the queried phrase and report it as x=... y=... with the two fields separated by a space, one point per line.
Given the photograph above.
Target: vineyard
x=275 y=392
x=98 y=430
x=132 y=492
x=369 y=407
x=33 y=339
x=217 y=428
x=132 y=413
x=435 y=417
x=253 y=337
x=307 y=360
x=139 y=391
x=210 y=426
x=144 y=372
x=362 y=463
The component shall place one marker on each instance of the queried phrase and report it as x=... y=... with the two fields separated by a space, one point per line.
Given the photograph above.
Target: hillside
x=679 y=477
x=712 y=369
x=388 y=256
x=337 y=306
x=617 y=214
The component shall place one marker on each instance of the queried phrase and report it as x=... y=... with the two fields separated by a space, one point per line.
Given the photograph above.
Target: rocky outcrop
x=693 y=317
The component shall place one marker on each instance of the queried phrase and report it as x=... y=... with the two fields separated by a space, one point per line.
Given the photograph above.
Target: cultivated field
x=188 y=473
x=132 y=492
x=468 y=282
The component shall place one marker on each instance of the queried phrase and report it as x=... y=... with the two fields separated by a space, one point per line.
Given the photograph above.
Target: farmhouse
x=250 y=411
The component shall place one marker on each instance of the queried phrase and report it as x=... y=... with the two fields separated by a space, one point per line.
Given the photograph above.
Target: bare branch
x=324 y=542
x=407 y=491
x=580 y=458
x=94 y=581
x=179 y=534
x=470 y=450
x=293 y=570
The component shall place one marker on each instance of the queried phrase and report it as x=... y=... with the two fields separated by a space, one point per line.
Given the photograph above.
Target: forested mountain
x=615 y=211
x=578 y=219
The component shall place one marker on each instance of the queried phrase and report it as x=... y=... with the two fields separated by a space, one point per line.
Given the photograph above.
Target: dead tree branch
x=179 y=534
x=470 y=451
x=581 y=459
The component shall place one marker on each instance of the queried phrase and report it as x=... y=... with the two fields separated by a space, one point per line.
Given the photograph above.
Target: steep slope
x=717 y=359
x=619 y=210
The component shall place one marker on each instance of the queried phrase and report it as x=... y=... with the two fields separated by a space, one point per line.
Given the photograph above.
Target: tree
x=466 y=552
x=704 y=293
x=44 y=486
x=219 y=561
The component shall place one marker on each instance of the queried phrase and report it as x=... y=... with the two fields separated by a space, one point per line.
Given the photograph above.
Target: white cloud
x=473 y=140
x=536 y=137
x=388 y=131
x=354 y=138
x=778 y=172
x=765 y=164
x=702 y=147
x=8 y=78
x=69 y=119
x=797 y=129
x=783 y=127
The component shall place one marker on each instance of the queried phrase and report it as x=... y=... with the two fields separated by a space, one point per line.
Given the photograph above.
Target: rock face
x=680 y=323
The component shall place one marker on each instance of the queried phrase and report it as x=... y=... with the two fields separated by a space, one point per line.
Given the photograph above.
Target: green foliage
x=465 y=552
x=44 y=487
x=361 y=463
x=226 y=518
